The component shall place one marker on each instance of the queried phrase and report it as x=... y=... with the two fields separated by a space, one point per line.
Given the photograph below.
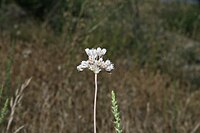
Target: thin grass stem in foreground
x=115 y=111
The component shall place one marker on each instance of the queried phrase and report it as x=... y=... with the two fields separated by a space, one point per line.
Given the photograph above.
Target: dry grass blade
x=196 y=128
x=14 y=102
x=16 y=131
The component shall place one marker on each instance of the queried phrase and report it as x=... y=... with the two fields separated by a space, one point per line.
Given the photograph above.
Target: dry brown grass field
x=60 y=99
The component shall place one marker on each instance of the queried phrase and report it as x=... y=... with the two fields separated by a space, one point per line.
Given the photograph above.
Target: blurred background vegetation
x=150 y=40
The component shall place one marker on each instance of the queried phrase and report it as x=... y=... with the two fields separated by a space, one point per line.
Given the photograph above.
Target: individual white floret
x=83 y=65
x=101 y=52
x=87 y=50
x=107 y=63
x=98 y=50
x=110 y=67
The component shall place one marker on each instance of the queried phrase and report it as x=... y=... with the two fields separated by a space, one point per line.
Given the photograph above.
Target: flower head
x=95 y=61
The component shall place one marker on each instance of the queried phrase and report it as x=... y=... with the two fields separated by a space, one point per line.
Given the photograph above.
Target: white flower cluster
x=95 y=61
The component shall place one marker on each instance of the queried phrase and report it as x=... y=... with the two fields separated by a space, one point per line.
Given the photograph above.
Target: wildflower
x=95 y=61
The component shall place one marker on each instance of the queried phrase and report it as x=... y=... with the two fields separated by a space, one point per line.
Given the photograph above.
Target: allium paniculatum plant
x=95 y=63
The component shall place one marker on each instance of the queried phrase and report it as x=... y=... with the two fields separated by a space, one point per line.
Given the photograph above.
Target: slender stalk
x=95 y=102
